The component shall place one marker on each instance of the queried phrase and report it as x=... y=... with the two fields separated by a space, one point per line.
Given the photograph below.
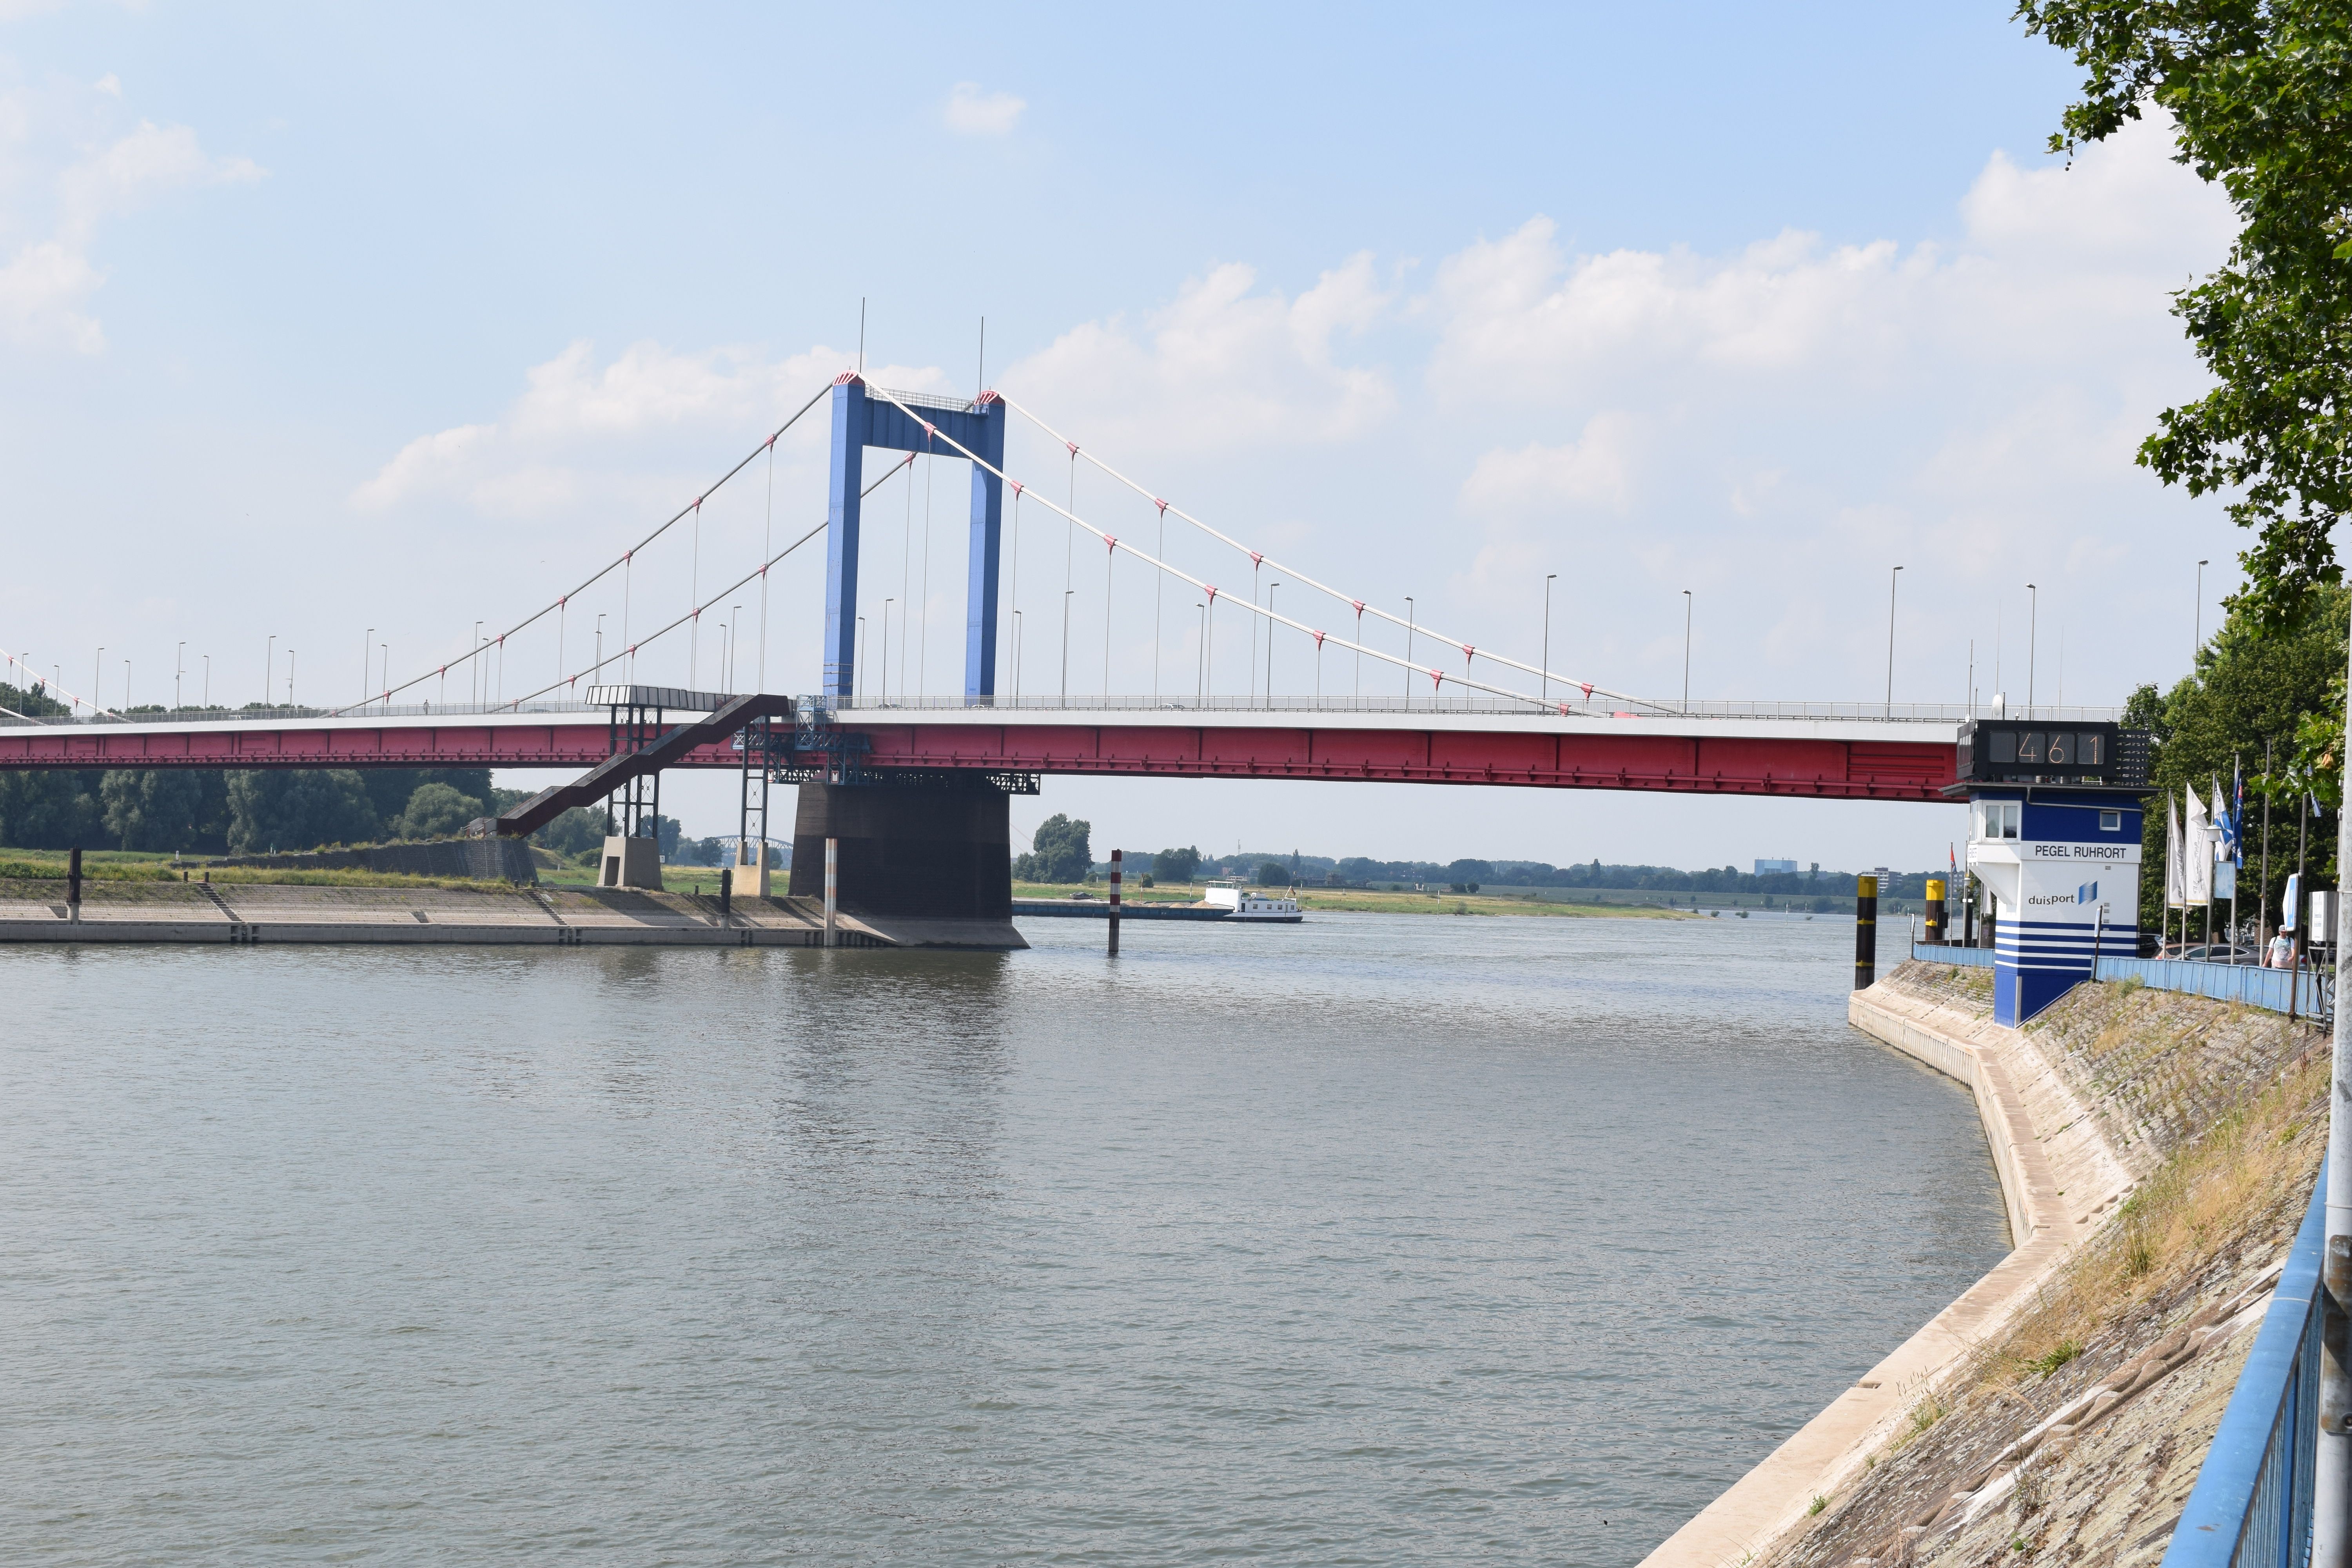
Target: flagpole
x=2237 y=843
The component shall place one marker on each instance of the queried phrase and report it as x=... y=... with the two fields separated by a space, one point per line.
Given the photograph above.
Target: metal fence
x=1573 y=705
x=2310 y=994
x=2251 y=1504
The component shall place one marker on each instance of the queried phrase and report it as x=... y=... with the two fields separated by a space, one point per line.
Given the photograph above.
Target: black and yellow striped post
x=1936 y=937
x=1865 y=931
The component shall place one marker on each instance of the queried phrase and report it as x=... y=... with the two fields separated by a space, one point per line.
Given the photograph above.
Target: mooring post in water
x=1117 y=865
x=1865 y=931
x=73 y=883
x=832 y=888
x=726 y=892
x=2331 y=1517
x=1935 y=911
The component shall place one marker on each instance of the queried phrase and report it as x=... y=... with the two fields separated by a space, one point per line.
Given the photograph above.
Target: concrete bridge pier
x=927 y=865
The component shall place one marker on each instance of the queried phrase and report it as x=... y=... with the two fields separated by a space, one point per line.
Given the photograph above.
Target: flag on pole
x=2196 y=851
x=2238 y=811
x=2175 y=897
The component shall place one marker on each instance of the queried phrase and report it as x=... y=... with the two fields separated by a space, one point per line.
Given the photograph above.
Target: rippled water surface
x=1378 y=1239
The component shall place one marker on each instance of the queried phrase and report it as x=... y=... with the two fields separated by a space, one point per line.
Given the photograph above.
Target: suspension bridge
x=1446 y=709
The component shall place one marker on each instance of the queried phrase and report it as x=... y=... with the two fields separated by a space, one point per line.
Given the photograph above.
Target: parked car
x=2212 y=953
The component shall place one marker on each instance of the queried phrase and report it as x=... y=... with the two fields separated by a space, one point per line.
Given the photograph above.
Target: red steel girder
x=1798 y=764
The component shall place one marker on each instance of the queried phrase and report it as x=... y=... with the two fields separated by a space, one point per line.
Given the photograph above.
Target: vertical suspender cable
x=923 y=634
x=767 y=543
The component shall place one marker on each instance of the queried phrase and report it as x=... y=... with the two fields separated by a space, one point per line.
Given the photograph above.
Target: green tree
x=298 y=808
x=2260 y=96
x=435 y=811
x=578 y=831
x=33 y=702
x=50 y=808
x=165 y=808
x=1273 y=874
x=1059 y=851
x=2253 y=686
x=1176 y=865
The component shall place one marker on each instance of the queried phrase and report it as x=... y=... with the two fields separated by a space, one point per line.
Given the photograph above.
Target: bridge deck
x=1832 y=756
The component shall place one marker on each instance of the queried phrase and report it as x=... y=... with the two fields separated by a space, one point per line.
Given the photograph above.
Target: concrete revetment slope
x=2059 y=1176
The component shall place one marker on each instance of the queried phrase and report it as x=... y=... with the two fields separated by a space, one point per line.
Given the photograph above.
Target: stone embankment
x=123 y=912
x=2156 y=1153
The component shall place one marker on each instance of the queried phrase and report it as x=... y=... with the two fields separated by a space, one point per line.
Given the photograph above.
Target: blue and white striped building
x=2059 y=869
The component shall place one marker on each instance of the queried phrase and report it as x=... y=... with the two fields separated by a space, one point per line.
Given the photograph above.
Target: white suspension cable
x=692 y=507
x=759 y=571
x=1360 y=606
x=72 y=701
x=1437 y=676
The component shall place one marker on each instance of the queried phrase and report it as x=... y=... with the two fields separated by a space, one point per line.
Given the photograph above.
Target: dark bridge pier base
x=927 y=866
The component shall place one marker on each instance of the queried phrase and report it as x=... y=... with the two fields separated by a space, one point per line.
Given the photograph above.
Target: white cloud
x=152 y=160
x=41 y=291
x=1595 y=470
x=580 y=423
x=61 y=186
x=971 y=112
x=1221 y=367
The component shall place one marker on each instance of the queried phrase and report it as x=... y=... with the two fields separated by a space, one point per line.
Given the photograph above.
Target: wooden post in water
x=1865 y=931
x=1117 y=865
x=832 y=888
x=1935 y=911
x=73 y=883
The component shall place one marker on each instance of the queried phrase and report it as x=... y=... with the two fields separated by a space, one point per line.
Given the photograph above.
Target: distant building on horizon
x=1766 y=867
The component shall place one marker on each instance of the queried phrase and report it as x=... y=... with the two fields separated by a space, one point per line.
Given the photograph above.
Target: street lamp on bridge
x=1543 y=688
x=2033 y=631
x=2198 y=638
x=1687 y=603
x=1892 y=578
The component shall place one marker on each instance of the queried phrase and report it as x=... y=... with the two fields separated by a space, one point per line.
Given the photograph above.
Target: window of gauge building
x=1998 y=818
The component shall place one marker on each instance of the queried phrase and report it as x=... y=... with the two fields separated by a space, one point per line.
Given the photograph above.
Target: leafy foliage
x=165 y=808
x=435 y=810
x=1176 y=865
x=33 y=702
x=298 y=808
x=2255 y=688
x=1059 y=851
x=2261 y=100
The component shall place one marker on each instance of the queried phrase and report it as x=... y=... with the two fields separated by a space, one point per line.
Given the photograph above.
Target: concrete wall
x=485 y=859
x=910 y=851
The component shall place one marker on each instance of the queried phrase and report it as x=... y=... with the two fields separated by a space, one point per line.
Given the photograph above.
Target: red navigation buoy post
x=1117 y=862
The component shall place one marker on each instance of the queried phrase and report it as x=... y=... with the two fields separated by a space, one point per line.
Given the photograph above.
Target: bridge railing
x=2251 y=1503
x=286 y=713
x=1575 y=705
x=2310 y=994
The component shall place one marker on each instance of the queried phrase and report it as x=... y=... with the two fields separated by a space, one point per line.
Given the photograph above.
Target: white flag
x=2197 y=844
x=2173 y=898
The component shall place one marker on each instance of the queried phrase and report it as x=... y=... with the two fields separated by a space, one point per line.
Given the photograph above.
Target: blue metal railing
x=2251 y=1504
x=2312 y=994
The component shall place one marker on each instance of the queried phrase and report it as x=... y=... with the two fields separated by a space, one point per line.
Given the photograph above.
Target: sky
x=342 y=332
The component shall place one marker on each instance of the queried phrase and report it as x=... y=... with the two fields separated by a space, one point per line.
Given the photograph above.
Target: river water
x=1374 y=1240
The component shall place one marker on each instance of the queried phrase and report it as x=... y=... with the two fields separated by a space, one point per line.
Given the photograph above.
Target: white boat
x=1242 y=902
